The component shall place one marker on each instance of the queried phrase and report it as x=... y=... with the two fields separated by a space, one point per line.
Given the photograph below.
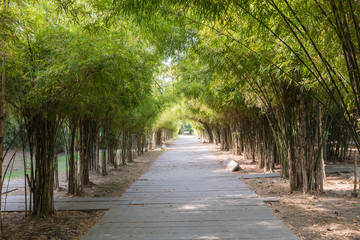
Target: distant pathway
x=188 y=195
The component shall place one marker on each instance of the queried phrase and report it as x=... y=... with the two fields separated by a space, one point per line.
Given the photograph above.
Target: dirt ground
x=73 y=224
x=333 y=214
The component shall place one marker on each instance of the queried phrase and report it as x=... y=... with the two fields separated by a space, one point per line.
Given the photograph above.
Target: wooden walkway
x=17 y=204
x=187 y=194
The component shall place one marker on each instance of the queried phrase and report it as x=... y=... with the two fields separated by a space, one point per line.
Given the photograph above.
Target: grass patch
x=19 y=174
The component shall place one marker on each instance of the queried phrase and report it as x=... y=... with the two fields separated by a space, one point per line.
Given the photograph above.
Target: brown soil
x=333 y=214
x=118 y=179
x=61 y=225
x=73 y=224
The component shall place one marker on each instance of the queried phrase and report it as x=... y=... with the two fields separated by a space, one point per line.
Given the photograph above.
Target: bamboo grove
x=78 y=87
x=274 y=80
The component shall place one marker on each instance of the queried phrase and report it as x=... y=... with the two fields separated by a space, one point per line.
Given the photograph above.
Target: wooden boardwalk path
x=187 y=194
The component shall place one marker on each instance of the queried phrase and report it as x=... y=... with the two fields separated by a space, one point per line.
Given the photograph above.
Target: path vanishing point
x=187 y=194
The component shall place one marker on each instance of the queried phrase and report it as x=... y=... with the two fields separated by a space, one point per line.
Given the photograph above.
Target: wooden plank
x=17 y=204
x=96 y=199
x=259 y=175
x=82 y=206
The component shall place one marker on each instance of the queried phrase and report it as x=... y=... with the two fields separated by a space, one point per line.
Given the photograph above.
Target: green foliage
x=64 y=68
x=230 y=60
x=13 y=136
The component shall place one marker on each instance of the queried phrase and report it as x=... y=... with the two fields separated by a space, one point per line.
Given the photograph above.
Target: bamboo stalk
x=66 y=154
x=24 y=162
x=355 y=174
x=2 y=124
x=11 y=162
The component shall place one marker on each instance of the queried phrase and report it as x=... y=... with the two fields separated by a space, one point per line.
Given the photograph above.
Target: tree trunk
x=56 y=168
x=158 y=138
x=96 y=167
x=222 y=139
x=129 y=147
x=84 y=152
x=143 y=143
x=32 y=171
x=103 y=159
x=66 y=150
x=123 y=148
x=45 y=137
x=2 y=122
x=72 y=184
x=103 y=167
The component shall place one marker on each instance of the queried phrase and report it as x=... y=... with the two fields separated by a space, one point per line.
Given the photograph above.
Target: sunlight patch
x=192 y=207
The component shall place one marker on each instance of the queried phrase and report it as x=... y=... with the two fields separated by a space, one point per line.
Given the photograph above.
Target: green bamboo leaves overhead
x=56 y=61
